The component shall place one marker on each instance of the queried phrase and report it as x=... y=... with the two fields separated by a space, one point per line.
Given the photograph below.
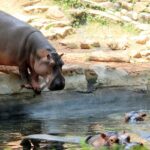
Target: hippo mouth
x=53 y=84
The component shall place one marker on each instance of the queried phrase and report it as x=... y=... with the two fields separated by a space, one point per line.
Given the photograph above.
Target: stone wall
x=78 y=78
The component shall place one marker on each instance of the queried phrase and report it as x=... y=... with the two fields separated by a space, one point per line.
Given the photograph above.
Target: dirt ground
x=78 y=56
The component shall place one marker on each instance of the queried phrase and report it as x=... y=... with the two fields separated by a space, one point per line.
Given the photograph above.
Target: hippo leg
x=25 y=77
x=35 y=82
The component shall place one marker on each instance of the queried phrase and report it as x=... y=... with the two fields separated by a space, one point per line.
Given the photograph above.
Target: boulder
x=103 y=5
x=133 y=15
x=135 y=54
x=11 y=84
x=55 y=13
x=77 y=12
x=89 y=43
x=25 y=18
x=141 y=26
x=141 y=39
x=145 y=53
x=109 y=56
x=36 y=9
x=74 y=77
x=144 y=17
x=58 y=32
x=140 y=6
x=29 y=3
x=118 y=44
x=147 y=32
x=126 y=5
x=57 y=23
x=106 y=15
x=148 y=44
x=69 y=44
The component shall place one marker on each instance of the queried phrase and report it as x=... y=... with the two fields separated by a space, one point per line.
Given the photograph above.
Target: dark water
x=70 y=113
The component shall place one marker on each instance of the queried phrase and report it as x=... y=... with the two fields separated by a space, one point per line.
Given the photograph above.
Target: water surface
x=70 y=113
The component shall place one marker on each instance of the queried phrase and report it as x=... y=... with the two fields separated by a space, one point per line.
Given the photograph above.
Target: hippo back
x=13 y=36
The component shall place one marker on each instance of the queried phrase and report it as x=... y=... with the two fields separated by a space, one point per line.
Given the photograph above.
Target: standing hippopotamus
x=24 y=46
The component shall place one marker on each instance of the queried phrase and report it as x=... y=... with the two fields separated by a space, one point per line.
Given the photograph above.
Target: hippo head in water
x=134 y=116
x=49 y=66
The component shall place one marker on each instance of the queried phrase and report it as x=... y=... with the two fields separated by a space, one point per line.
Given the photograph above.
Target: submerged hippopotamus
x=24 y=46
x=135 y=116
x=103 y=140
x=109 y=139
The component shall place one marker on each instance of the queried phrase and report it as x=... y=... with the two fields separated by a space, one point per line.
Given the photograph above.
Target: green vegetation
x=70 y=3
x=129 y=28
x=86 y=18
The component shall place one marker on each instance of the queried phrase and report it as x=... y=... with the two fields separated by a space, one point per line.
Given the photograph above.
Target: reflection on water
x=69 y=113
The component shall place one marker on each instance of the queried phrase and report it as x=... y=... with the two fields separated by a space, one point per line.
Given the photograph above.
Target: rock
x=11 y=84
x=135 y=54
x=110 y=76
x=140 y=6
x=142 y=39
x=87 y=44
x=38 y=24
x=147 y=32
x=104 y=5
x=118 y=44
x=133 y=15
x=123 y=11
x=77 y=12
x=36 y=9
x=72 y=73
x=59 y=23
x=55 y=13
x=70 y=44
x=29 y=3
x=91 y=78
x=117 y=6
x=126 y=19
x=148 y=44
x=126 y=5
x=142 y=26
x=25 y=18
x=106 y=15
x=144 y=17
x=145 y=53
x=58 y=32
x=109 y=56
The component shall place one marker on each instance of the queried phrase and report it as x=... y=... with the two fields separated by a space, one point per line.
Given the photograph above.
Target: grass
x=69 y=3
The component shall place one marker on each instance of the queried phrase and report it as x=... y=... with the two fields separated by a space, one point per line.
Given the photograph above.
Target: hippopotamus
x=134 y=116
x=101 y=140
x=23 y=46
x=110 y=139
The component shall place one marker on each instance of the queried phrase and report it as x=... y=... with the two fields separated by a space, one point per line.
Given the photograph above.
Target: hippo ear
x=48 y=56
x=103 y=135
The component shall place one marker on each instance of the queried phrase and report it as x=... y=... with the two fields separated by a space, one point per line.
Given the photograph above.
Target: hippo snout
x=57 y=84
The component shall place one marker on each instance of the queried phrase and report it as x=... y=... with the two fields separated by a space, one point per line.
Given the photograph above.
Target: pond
x=70 y=113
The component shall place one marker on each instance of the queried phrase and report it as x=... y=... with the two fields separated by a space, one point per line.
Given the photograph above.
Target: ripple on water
x=71 y=113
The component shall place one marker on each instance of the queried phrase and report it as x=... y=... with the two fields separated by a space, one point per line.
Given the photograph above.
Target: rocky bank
x=119 y=62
